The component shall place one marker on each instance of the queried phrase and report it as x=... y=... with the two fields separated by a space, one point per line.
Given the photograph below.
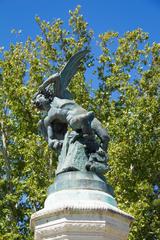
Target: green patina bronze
x=79 y=180
x=75 y=133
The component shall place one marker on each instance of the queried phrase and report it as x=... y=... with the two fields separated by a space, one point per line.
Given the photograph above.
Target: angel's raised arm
x=53 y=78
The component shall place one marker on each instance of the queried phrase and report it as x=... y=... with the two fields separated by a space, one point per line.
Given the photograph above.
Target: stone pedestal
x=80 y=213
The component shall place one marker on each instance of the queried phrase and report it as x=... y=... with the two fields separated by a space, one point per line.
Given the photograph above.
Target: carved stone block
x=80 y=220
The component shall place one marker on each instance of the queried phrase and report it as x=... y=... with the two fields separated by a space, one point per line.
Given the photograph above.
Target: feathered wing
x=61 y=80
x=70 y=69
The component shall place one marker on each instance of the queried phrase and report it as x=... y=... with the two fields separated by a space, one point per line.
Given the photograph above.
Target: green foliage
x=126 y=102
x=27 y=166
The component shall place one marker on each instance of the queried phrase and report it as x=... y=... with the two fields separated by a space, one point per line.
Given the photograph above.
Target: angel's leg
x=81 y=122
x=101 y=132
x=55 y=114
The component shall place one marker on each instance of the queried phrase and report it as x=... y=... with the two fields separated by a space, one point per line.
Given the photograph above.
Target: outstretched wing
x=61 y=80
x=71 y=68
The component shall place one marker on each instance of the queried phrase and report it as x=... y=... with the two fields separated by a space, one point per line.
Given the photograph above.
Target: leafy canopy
x=126 y=102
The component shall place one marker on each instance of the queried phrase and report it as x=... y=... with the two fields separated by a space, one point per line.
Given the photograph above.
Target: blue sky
x=102 y=15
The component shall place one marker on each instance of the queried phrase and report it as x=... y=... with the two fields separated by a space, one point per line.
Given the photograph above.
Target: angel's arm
x=63 y=78
x=53 y=78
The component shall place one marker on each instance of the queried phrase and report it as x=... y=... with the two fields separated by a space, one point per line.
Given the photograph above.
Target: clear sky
x=102 y=15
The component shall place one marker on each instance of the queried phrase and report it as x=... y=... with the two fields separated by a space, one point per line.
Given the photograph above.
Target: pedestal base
x=87 y=220
x=80 y=206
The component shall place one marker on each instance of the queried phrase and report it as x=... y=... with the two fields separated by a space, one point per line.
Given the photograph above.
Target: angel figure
x=64 y=113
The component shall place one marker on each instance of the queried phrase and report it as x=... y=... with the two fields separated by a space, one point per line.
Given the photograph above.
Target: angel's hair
x=48 y=92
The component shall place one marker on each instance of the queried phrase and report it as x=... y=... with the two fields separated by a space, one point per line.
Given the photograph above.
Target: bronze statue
x=68 y=126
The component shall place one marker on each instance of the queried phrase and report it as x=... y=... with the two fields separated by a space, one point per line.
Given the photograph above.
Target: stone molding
x=92 y=220
x=82 y=207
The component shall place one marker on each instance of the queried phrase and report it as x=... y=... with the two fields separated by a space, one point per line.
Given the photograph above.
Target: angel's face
x=41 y=102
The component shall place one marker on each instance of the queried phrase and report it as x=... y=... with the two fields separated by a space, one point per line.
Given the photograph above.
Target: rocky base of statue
x=80 y=206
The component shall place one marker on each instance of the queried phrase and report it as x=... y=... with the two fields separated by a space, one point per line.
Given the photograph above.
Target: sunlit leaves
x=126 y=102
x=129 y=71
x=27 y=165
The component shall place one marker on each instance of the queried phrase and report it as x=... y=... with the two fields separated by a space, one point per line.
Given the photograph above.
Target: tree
x=27 y=166
x=126 y=101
